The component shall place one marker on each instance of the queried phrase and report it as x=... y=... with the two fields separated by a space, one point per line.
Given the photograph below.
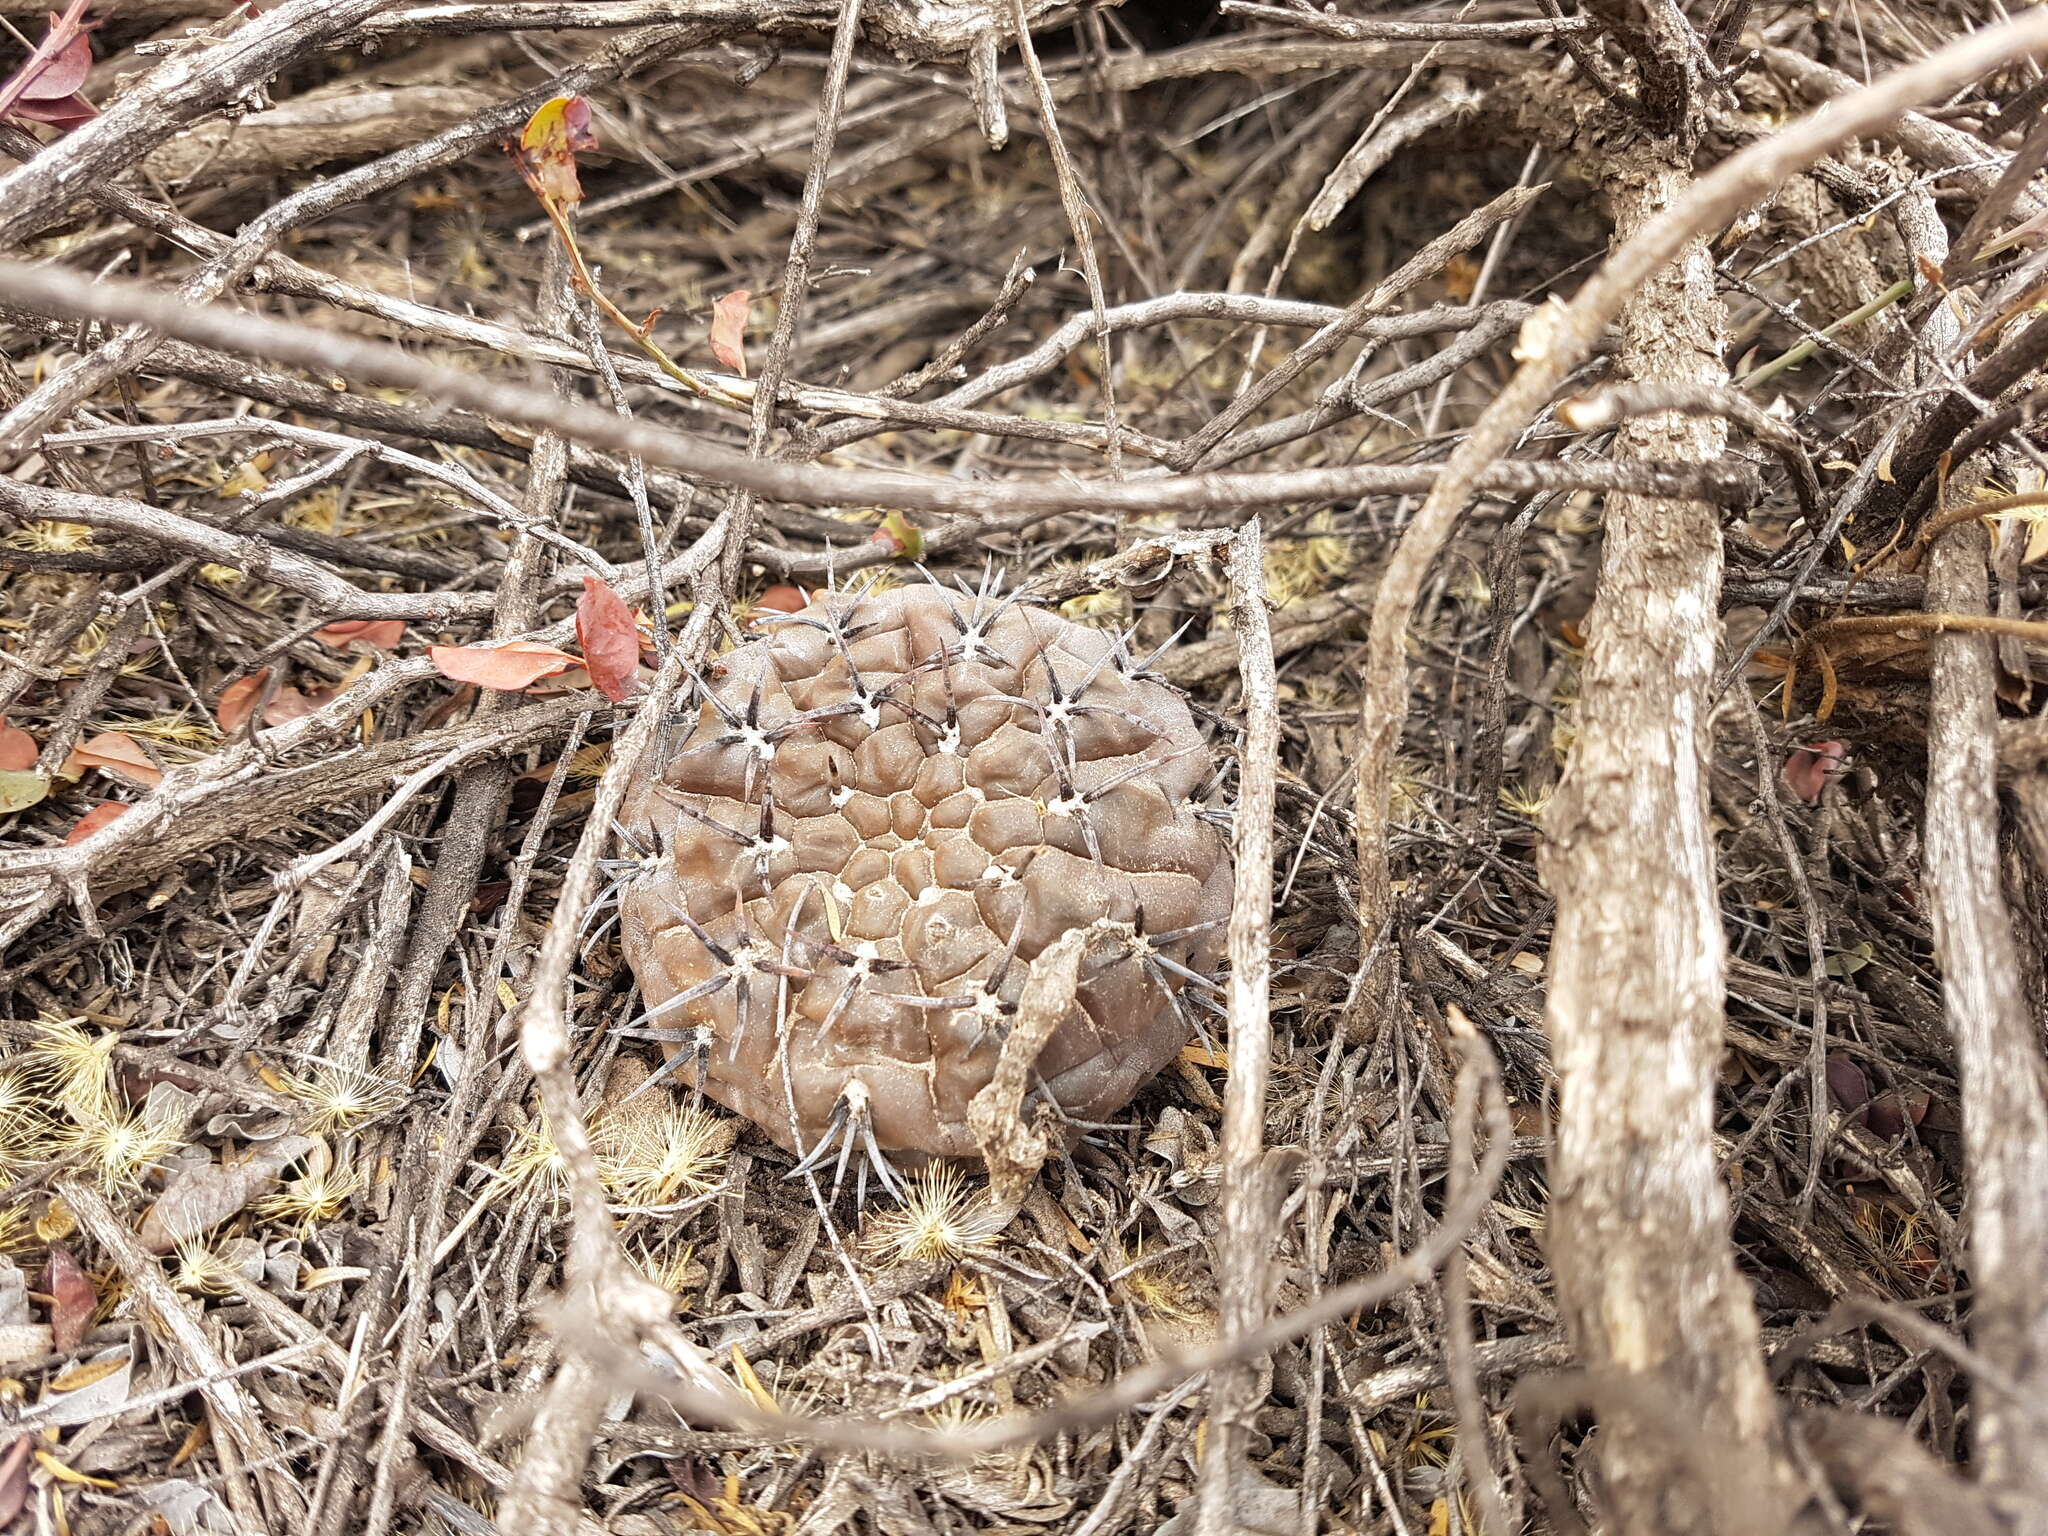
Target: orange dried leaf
x=17 y=749
x=610 y=640
x=238 y=699
x=383 y=634
x=547 y=149
x=94 y=819
x=113 y=752
x=508 y=668
x=729 y=330
x=782 y=598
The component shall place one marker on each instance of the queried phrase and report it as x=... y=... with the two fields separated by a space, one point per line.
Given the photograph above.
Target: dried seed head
x=882 y=811
x=343 y=1098
x=661 y=1155
x=940 y=1218
x=76 y=1065
x=310 y=1201
x=204 y=1271
x=120 y=1150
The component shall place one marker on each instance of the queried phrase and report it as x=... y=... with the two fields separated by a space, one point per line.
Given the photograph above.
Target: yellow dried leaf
x=64 y=1474
x=247 y=478
x=752 y=1383
x=56 y=1223
x=85 y=1375
x=548 y=145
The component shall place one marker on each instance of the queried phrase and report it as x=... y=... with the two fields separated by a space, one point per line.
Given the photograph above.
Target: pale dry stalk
x=1998 y=1043
x=1646 y=1275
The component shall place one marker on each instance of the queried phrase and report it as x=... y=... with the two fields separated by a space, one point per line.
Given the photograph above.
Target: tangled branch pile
x=1585 y=465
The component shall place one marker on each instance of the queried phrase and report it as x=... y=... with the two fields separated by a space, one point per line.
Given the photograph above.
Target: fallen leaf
x=291 y=704
x=14 y=1479
x=1461 y=277
x=509 y=667
x=729 y=330
x=17 y=748
x=752 y=1383
x=72 y=1299
x=610 y=640
x=904 y=538
x=1887 y=1117
x=1810 y=770
x=384 y=634
x=94 y=819
x=79 y=1377
x=19 y=791
x=238 y=700
x=97 y=1389
x=113 y=752
x=198 y=1199
x=1851 y=960
x=45 y=88
x=248 y=476
x=546 y=154
x=782 y=598
x=1847 y=1082
x=65 y=1473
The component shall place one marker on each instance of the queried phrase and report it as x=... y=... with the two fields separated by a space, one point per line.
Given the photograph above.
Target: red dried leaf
x=508 y=668
x=72 y=1299
x=114 y=752
x=65 y=64
x=1848 y=1082
x=610 y=640
x=546 y=153
x=238 y=701
x=17 y=749
x=67 y=112
x=45 y=87
x=382 y=634
x=729 y=330
x=94 y=819
x=1809 y=770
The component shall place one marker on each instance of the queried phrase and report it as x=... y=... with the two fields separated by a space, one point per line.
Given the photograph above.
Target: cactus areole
x=875 y=817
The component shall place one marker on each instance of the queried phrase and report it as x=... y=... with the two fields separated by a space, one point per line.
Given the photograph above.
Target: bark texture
x=1645 y=1272
x=1998 y=1045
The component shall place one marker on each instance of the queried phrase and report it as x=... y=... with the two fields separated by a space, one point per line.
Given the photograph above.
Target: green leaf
x=19 y=791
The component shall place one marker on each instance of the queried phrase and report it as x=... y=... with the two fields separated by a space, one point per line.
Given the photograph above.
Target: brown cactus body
x=879 y=804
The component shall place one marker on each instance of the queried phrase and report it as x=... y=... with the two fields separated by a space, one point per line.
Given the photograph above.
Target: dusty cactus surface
x=881 y=811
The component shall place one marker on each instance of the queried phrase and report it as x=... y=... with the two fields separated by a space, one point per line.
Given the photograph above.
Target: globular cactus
x=880 y=812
